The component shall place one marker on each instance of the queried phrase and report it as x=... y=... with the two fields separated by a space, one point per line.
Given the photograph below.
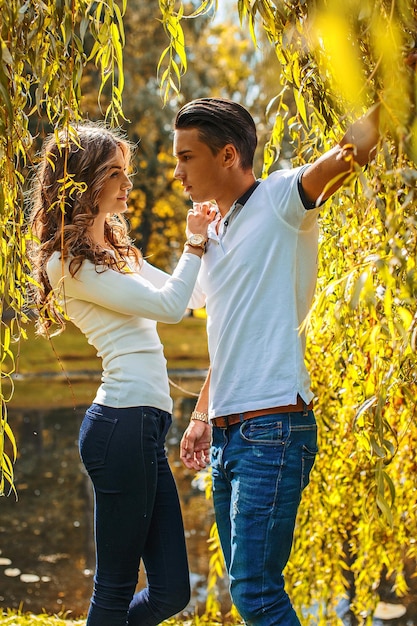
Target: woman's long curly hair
x=64 y=203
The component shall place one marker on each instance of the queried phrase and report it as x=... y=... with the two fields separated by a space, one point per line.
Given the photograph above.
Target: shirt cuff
x=308 y=204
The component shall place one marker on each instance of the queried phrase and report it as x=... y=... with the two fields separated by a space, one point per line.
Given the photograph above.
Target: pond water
x=46 y=536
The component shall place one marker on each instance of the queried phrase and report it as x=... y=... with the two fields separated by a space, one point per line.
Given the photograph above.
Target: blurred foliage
x=357 y=526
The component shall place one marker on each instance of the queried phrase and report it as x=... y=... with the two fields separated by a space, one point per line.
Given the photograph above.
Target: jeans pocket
x=259 y=430
x=95 y=435
x=308 y=458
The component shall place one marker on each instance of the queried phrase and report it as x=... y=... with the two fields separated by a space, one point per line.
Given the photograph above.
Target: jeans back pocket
x=95 y=435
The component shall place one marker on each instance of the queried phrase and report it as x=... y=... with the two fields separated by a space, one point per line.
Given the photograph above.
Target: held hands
x=195 y=445
x=199 y=217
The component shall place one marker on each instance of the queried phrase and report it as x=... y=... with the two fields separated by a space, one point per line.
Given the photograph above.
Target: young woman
x=88 y=271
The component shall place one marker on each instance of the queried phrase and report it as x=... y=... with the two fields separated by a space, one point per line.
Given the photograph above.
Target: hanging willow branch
x=45 y=49
x=173 y=60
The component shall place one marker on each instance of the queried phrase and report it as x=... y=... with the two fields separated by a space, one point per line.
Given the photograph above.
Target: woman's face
x=115 y=190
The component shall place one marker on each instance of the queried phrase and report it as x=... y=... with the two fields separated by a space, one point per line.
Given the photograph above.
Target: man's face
x=198 y=169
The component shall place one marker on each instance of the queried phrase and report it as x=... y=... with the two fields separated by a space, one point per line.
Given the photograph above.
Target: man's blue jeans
x=137 y=515
x=260 y=468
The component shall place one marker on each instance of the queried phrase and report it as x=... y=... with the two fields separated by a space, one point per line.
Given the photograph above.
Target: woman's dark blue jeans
x=137 y=516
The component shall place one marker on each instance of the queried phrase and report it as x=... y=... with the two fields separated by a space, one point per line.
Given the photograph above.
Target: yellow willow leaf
x=7 y=466
x=365 y=406
x=4 y=93
x=164 y=76
x=84 y=25
x=390 y=484
x=413 y=140
x=173 y=28
x=244 y=11
x=118 y=95
x=173 y=85
x=205 y=7
x=219 y=569
x=119 y=26
x=296 y=72
x=376 y=448
x=105 y=57
x=176 y=69
x=406 y=317
x=5 y=54
x=6 y=340
x=213 y=533
x=11 y=438
x=341 y=57
x=178 y=41
x=385 y=509
x=162 y=57
x=388 y=300
x=118 y=52
x=357 y=290
x=96 y=52
x=301 y=105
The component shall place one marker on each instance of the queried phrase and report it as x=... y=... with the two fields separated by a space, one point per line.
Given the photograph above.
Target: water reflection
x=46 y=537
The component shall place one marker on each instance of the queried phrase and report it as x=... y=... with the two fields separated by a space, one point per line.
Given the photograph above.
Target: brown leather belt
x=235 y=418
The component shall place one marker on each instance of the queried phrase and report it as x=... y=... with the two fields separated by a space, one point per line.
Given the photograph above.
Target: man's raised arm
x=329 y=171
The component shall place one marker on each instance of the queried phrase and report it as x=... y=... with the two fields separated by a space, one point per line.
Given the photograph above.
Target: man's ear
x=230 y=155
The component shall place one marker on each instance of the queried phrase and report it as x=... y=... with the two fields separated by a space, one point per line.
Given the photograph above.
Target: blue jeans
x=260 y=468
x=137 y=516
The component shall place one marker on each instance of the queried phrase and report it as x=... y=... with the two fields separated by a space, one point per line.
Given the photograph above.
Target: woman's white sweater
x=118 y=313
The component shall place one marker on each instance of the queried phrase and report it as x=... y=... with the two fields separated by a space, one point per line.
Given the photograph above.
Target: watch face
x=197 y=239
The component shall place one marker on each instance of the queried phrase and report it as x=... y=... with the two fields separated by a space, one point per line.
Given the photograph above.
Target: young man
x=258 y=275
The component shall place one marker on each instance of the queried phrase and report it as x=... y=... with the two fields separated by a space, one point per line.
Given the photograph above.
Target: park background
x=304 y=69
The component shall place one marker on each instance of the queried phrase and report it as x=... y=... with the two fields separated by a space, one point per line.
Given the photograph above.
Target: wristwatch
x=197 y=241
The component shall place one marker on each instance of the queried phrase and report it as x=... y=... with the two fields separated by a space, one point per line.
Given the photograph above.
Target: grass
x=12 y=618
x=73 y=366
x=17 y=618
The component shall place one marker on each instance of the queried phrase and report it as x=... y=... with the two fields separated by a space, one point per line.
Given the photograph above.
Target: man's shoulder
x=280 y=183
x=284 y=174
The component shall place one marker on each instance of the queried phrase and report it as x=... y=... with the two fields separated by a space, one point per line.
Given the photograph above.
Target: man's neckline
x=245 y=196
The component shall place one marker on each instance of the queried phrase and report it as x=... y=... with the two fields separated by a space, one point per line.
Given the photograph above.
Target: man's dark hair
x=220 y=122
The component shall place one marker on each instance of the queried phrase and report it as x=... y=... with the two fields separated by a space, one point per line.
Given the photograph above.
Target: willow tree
x=45 y=48
x=334 y=58
x=357 y=526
